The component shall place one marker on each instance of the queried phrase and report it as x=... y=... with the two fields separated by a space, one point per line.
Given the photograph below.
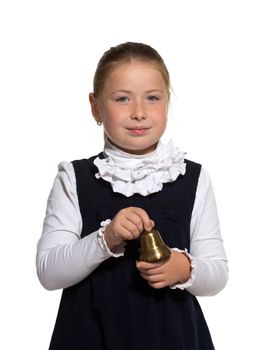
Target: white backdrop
x=218 y=56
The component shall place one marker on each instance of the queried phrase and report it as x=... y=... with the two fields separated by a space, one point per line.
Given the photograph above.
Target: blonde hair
x=124 y=53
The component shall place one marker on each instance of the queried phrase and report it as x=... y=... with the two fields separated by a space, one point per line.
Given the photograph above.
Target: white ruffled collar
x=143 y=174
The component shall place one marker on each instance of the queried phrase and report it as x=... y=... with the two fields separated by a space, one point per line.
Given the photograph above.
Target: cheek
x=162 y=117
x=107 y=116
x=115 y=119
x=163 y=123
x=111 y=124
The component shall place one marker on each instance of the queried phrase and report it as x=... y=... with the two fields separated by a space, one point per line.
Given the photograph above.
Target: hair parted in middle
x=124 y=53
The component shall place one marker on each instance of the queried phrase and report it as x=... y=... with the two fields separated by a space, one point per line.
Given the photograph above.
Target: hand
x=166 y=273
x=127 y=224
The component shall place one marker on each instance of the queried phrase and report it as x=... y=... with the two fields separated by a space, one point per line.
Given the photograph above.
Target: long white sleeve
x=206 y=245
x=64 y=259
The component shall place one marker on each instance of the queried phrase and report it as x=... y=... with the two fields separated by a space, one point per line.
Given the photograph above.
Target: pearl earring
x=99 y=123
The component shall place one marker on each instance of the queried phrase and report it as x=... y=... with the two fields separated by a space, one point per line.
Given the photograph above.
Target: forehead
x=135 y=73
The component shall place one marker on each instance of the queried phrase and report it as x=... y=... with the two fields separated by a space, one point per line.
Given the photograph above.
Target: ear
x=94 y=107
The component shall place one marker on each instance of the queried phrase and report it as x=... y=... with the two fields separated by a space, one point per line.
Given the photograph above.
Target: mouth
x=138 y=130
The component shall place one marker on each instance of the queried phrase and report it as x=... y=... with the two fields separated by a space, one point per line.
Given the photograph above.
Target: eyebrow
x=130 y=92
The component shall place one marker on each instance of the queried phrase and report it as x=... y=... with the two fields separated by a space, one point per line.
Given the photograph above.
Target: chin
x=140 y=150
x=135 y=147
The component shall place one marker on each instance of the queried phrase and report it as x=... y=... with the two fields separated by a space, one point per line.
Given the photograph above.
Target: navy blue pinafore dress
x=114 y=308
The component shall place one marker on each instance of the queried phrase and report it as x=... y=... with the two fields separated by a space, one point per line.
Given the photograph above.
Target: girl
x=98 y=207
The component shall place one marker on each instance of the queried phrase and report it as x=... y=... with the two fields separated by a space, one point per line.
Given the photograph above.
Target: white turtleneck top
x=64 y=258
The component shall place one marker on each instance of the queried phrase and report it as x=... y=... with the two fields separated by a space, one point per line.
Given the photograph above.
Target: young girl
x=98 y=207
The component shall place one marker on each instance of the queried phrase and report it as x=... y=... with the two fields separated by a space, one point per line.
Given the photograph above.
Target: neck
x=138 y=152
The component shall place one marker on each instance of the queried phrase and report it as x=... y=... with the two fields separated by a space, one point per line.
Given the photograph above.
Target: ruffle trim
x=119 y=251
x=144 y=175
x=189 y=282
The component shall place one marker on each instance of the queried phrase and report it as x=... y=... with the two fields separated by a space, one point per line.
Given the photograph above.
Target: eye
x=153 y=98
x=122 y=99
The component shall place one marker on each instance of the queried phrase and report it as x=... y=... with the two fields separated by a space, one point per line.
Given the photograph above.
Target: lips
x=138 y=130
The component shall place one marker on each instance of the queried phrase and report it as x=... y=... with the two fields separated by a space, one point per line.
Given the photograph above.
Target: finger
x=157 y=285
x=152 y=223
x=153 y=272
x=143 y=265
x=147 y=222
x=126 y=230
x=153 y=278
x=136 y=220
x=125 y=233
x=126 y=225
x=133 y=229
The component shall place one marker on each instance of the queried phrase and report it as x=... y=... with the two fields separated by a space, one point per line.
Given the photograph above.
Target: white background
x=218 y=55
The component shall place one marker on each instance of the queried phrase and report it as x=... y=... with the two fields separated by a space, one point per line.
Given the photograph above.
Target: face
x=133 y=106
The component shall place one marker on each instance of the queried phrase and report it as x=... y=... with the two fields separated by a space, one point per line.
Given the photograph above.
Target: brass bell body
x=152 y=247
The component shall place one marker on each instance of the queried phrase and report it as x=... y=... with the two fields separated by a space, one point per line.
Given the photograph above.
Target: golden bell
x=152 y=247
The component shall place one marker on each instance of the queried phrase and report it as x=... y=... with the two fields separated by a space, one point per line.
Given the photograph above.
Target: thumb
x=149 y=225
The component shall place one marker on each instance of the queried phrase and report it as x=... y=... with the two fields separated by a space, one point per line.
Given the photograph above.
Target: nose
x=138 y=111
